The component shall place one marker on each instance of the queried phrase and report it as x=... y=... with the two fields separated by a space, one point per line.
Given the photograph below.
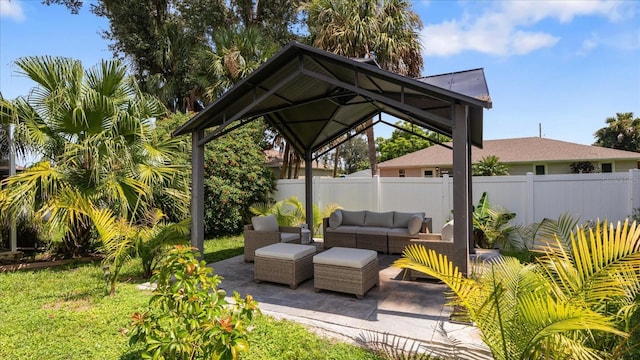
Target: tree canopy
x=409 y=138
x=622 y=132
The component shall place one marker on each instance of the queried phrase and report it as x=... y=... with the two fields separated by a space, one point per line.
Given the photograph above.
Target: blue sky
x=567 y=65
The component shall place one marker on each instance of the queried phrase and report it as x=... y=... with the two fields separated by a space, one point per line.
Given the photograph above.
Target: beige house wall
x=553 y=168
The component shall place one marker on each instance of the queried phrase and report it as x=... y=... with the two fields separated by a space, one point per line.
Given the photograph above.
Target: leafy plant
x=122 y=240
x=489 y=166
x=188 y=316
x=491 y=225
x=573 y=302
x=292 y=212
x=235 y=178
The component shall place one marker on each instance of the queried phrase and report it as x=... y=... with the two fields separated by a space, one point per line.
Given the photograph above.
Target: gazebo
x=313 y=97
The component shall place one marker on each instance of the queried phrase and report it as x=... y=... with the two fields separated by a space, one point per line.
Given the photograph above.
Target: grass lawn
x=64 y=313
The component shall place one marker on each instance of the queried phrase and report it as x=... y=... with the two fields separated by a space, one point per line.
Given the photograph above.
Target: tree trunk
x=285 y=161
x=371 y=142
x=336 y=157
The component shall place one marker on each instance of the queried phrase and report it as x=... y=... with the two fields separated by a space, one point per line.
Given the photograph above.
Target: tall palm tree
x=235 y=53
x=95 y=132
x=385 y=30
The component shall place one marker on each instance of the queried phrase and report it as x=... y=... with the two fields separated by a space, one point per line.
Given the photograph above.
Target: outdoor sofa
x=386 y=232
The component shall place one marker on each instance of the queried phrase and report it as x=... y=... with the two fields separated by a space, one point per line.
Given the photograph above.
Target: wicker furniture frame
x=256 y=239
x=290 y=272
x=398 y=243
x=346 y=279
x=372 y=242
x=432 y=242
x=340 y=240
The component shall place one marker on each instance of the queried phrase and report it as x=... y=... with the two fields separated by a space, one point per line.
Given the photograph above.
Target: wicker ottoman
x=284 y=263
x=352 y=271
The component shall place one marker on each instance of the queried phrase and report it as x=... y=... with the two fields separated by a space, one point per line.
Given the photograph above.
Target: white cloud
x=11 y=9
x=507 y=28
x=588 y=45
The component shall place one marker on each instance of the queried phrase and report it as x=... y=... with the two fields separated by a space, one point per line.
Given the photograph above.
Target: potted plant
x=491 y=226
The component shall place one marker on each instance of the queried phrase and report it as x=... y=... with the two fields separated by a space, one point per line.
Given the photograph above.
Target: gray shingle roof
x=517 y=150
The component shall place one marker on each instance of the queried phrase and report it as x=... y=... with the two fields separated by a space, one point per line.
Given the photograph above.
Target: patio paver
x=398 y=309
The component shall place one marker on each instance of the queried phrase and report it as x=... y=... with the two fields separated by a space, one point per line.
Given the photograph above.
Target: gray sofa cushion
x=335 y=219
x=399 y=232
x=372 y=230
x=378 y=219
x=344 y=229
x=401 y=219
x=353 y=218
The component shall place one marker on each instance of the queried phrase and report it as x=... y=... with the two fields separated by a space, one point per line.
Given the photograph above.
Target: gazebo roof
x=313 y=97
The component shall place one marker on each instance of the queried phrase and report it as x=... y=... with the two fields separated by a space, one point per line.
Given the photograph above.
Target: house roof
x=516 y=150
x=275 y=158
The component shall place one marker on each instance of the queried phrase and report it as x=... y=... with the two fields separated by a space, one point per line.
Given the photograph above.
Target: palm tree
x=490 y=166
x=235 y=53
x=386 y=30
x=95 y=131
x=622 y=132
x=562 y=306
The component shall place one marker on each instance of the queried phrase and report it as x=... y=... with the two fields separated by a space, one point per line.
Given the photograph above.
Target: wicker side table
x=284 y=263
x=352 y=271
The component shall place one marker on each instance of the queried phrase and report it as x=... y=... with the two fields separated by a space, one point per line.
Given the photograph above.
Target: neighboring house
x=274 y=160
x=532 y=154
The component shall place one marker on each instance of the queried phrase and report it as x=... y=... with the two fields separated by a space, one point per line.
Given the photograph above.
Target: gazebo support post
x=197 y=191
x=308 y=189
x=462 y=196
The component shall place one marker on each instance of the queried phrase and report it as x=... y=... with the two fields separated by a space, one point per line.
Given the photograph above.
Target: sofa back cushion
x=265 y=223
x=353 y=218
x=401 y=219
x=378 y=219
x=335 y=219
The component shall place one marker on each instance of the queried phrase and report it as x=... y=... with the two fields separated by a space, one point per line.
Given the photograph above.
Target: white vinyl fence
x=612 y=196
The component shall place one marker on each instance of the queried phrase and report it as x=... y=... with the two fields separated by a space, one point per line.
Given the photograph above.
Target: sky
x=554 y=68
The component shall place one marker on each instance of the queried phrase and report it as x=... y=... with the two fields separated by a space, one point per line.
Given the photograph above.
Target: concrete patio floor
x=400 y=313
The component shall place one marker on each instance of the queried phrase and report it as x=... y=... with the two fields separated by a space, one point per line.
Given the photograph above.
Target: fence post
x=634 y=190
x=376 y=191
x=529 y=200
x=445 y=206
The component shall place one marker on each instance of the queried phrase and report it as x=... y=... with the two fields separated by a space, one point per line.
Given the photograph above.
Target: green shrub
x=188 y=316
x=235 y=178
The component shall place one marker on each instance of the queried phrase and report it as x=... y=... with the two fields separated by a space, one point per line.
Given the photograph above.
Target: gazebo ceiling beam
x=408 y=109
x=252 y=105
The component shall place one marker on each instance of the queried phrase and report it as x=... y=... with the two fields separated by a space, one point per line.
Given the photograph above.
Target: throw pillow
x=447 y=231
x=335 y=219
x=415 y=224
x=265 y=223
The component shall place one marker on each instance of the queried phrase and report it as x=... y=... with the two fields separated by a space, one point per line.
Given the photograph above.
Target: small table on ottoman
x=347 y=270
x=284 y=263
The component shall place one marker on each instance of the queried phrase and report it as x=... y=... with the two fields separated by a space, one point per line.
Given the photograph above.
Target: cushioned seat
x=284 y=263
x=347 y=270
x=263 y=231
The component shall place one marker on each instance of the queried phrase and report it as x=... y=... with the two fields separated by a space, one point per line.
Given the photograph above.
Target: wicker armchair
x=256 y=239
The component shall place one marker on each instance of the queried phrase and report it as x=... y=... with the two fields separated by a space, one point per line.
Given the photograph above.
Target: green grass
x=64 y=313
